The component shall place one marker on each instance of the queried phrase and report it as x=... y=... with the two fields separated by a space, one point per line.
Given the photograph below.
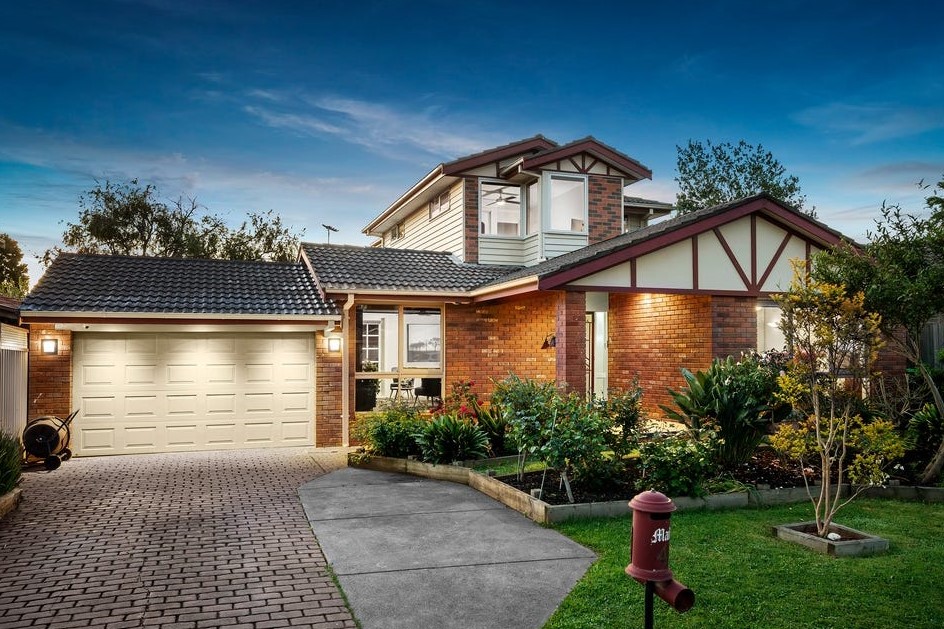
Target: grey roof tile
x=352 y=268
x=99 y=283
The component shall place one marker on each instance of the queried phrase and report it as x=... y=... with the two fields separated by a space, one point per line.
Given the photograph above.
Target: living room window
x=394 y=340
x=567 y=197
x=439 y=205
x=500 y=209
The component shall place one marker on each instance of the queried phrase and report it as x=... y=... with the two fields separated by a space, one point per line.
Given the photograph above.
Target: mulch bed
x=765 y=468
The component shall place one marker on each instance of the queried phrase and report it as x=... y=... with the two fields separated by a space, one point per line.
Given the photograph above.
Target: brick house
x=526 y=258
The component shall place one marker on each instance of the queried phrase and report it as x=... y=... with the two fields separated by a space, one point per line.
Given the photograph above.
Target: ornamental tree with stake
x=833 y=339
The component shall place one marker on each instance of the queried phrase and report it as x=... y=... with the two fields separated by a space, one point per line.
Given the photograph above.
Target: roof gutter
x=506 y=289
x=65 y=315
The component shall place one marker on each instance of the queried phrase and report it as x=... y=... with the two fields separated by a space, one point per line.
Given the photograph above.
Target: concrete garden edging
x=10 y=500
x=545 y=513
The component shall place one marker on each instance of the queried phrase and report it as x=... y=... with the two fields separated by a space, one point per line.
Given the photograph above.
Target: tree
x=834 y=339
x=901 y=273
x=14 y=280
x=128 y=219
x=710 y=174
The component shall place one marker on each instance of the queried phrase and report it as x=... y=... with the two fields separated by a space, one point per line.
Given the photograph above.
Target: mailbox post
x=649 y=558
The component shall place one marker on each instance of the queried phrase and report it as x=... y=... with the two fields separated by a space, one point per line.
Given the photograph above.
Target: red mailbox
x=649 y=561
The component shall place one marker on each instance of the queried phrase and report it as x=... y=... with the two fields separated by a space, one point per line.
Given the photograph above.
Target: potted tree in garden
x=833 y=339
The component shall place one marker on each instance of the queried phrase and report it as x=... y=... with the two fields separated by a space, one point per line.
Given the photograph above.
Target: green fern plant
x=11 y=460
x=449 y=438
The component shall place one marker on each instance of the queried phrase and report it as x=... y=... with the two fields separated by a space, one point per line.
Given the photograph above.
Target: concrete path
x=208 y=539
x=416 y=553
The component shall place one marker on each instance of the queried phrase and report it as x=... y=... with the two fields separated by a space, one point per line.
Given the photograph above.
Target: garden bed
x=543 y=512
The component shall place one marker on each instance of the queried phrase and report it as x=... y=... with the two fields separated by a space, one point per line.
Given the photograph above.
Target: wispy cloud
x=868 y=123
x=380 y=128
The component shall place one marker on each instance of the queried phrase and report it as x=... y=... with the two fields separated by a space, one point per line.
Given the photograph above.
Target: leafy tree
x=834 y=339
x=710 y=174
x=14 y=280
x=901 y=273
x=128 y=219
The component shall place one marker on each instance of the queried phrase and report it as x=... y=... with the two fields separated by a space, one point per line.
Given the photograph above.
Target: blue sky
x=327 y=111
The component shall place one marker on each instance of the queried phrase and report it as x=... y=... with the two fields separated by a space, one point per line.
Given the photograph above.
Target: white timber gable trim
x=751 y=255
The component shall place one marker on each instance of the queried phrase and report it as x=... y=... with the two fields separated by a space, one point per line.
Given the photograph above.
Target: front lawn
x=743 y=577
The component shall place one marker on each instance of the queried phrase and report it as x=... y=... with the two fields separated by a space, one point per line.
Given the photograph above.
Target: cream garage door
x=166 y=392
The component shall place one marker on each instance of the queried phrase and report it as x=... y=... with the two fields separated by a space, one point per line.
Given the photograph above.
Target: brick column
x=470 y=207
x=327 y=394
x=50 y=376
x=605 y=209
x=571 y=334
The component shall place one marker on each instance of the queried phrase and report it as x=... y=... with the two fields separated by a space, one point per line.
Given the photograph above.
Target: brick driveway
x=209 y=539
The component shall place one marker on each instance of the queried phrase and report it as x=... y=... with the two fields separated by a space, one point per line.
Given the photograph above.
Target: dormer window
x=568 y=203
x=500 y=209
x=439 y=205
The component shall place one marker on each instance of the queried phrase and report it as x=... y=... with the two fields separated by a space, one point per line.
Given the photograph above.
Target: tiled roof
x=591 y=252
x=98 y=283
x=352 y=268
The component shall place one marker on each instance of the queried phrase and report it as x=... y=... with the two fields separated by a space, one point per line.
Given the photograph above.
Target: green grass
x=507 y=468
x=743 y=577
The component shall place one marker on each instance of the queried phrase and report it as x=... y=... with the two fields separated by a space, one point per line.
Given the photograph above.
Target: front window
x=769 y=334
x=568 y=203
x=397 y=339
x=500 y=209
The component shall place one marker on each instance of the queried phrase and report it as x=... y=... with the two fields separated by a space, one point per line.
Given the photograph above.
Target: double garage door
x=166 y=392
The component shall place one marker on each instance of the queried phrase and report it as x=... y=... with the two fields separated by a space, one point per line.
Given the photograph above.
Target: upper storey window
x=439 y=205
x=500 y=209
x=568 y=203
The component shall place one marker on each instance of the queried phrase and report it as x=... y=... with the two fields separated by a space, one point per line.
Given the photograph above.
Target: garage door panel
x=141 y=374
x=160 y=392
x=141 y=405
x=97 y=440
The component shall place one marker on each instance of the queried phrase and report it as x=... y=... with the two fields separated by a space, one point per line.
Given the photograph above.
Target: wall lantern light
x=49 y=346
x=334 y=343
x=549 y=341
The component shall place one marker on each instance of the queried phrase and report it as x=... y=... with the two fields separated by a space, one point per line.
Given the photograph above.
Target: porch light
x=549 y=341
x=49 y=346
x=334 y=343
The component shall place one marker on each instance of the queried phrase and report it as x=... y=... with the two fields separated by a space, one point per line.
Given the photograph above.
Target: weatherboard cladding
x=99 y=283
x=351 y=268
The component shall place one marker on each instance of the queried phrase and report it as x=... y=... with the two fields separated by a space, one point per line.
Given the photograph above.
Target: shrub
x=11 y=459
x=735 y=398
x=449 y=438
x=492 y=420
x=527 y=406
x=389 y=432
x=573 y=441
x=461 y=400
x=623 y=411
x=677 y=464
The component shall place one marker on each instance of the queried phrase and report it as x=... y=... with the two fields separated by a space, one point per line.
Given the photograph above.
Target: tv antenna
x=330 y=229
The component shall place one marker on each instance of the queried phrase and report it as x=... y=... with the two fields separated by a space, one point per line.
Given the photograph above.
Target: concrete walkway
x=412 y=552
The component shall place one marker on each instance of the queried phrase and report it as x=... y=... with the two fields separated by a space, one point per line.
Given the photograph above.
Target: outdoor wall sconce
x=334 y=343
x=549 y=341
x=49 y=346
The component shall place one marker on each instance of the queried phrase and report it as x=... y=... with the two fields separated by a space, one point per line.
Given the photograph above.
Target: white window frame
x=440 y=205
x=521 y=206
x=397 y=231
x=546 y=185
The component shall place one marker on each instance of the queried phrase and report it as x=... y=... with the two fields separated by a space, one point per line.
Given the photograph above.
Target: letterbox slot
x=660 y=516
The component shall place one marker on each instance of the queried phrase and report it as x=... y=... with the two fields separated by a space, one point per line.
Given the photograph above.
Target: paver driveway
x=209 y=539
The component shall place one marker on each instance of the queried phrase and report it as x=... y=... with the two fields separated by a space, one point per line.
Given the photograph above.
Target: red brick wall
x=572 y=341
x=50 y=377
x=470 y=199
x=488 y=341
x=327 y=394
x=733 y=325
x=654 y=336
x=605 y=211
